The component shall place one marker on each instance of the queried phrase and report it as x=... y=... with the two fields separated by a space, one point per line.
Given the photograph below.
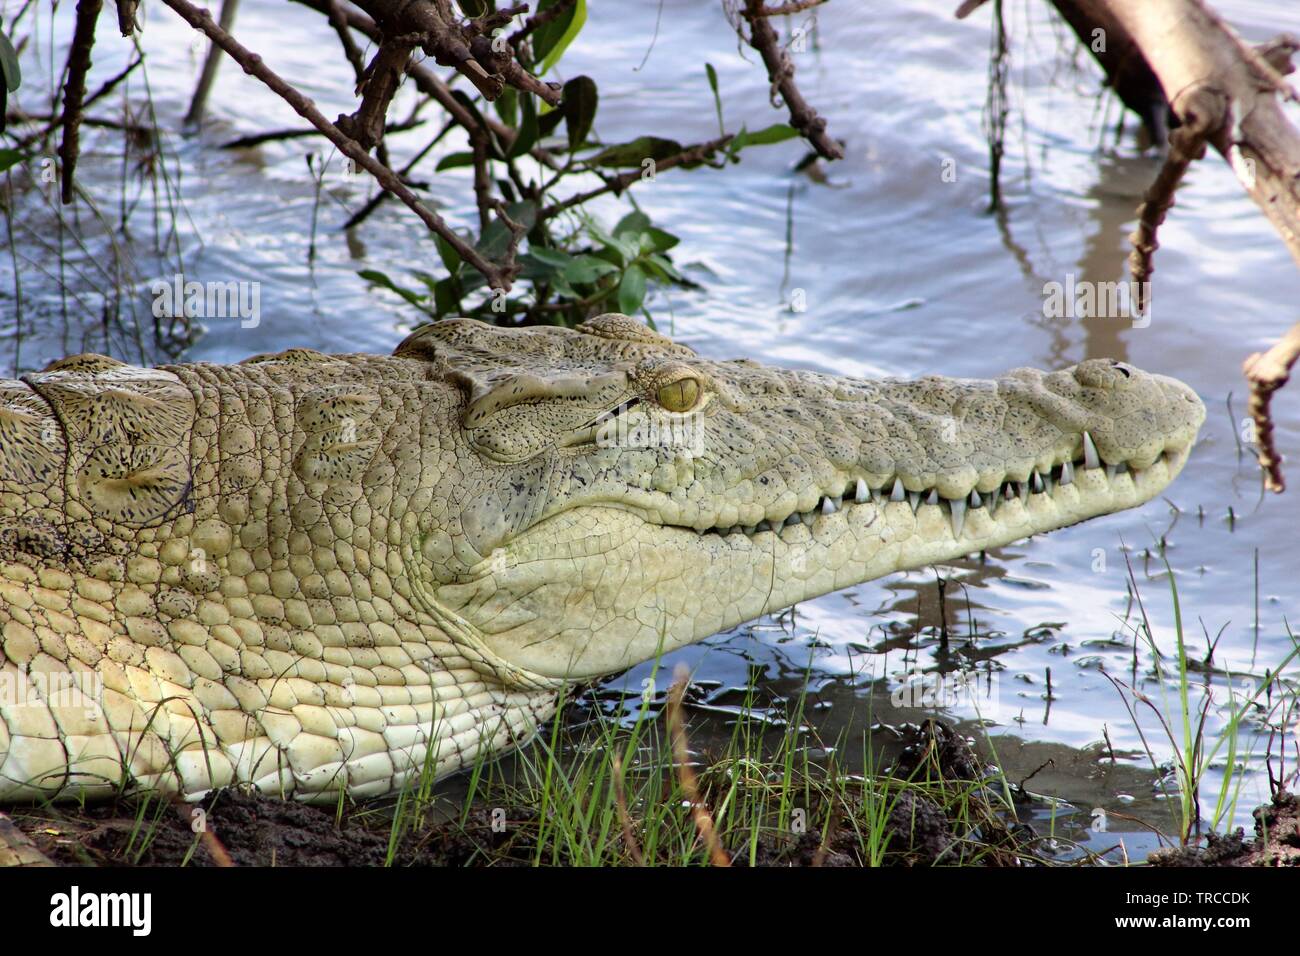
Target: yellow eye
x=679 y=396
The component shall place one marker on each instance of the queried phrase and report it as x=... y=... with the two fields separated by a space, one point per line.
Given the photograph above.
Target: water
x=902 y=273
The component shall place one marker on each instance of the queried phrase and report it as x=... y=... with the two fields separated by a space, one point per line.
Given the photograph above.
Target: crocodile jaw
x=596 y=589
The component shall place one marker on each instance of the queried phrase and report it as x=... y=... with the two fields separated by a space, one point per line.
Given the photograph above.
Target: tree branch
x=253 y=65
x=781 y=72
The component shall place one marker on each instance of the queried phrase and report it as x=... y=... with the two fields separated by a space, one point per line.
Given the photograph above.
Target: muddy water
x=900 y=271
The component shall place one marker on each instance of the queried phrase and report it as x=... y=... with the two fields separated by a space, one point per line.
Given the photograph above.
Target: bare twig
x=497 y=277
x=786 y=9
x=616 y=184
x=1267 y=372
x=781 y=72
x=467 y=48
x=199 y=103
x=624 y=817
x=74 y=92
x=540 y=19
x=277 y=135
x=1186 y=144
x=690 y=786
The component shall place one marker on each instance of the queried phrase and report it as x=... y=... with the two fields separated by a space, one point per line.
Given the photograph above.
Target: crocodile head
x=628 y=497
x=316 y=573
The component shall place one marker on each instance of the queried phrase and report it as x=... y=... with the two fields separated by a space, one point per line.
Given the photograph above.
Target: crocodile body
x=313 y=573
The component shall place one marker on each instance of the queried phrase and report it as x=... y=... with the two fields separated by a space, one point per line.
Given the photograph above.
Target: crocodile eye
x=679 y=396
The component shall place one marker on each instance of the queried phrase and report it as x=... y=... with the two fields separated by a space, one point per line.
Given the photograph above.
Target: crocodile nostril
x=1121 y=367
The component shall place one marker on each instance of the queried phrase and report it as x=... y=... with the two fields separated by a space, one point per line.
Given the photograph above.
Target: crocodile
x=322 y=574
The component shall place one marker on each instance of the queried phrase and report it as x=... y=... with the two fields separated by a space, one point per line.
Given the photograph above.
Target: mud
x=1276 y=841
x=248 y=829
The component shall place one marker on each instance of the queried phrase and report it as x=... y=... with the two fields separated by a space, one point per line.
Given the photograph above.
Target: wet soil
x=248 y=829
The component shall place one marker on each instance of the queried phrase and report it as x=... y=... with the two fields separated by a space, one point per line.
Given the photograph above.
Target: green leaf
x=636 y=221
x=717 y=98
x=663 y=241
x=380 y=279
x=507 y=106
x=555 y=258
x=631 y=290
x=526 y=136
x=496 y=237
x=448 y=254
x=10 y=157
x=454 y=160
x=547 y=122
x=446 y=297
x=662 y=264
x=579 y=108
x=552 y=39
x=586 y=269
x=637 y=151
x=776 y=133
x=494 y=145
x=13 y=74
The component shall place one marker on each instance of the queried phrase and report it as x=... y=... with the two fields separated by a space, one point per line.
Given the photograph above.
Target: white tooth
x=915 y=498
x=861 y=493
x=1090 y=457
x=1067 y=473
x=839 y=500
x=1023 y=489
x=975 y=499
x=933 y=497
x=958 y=506
x=1036 y=482
x=1111 y=472
x=993 y=500
x=898 y=494
x=829 y=507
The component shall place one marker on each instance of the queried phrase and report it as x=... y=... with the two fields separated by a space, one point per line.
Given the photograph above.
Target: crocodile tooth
x=1111 y=472
x=829 y=507
x=1023 y=488
x=958 y=506
x=749 y=530
x=839 y=500
x=861 y=493
x=933 y=497
x=1067 y=472
x=993 y=500
x=975 y=499
x=914 y=497
x=795 y=518
x=898 y=494
x=1036 y=482
x=1090 y=457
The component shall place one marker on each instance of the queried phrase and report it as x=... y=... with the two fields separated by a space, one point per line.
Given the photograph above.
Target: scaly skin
x=311 y=572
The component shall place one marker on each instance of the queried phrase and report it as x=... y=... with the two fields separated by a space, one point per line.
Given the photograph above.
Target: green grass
x=1183 y=720
x=600 y=791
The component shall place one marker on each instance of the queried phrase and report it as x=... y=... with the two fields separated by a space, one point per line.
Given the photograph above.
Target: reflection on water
x=899 y=271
